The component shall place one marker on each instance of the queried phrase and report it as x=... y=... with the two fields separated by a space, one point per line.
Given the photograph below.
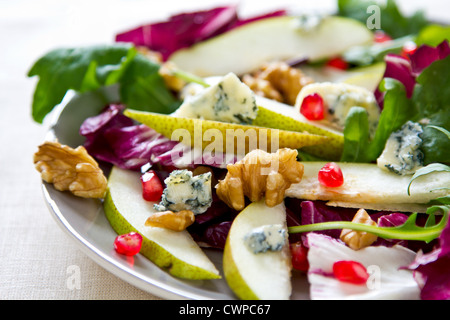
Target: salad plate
x=361 y=136
x=85 y=222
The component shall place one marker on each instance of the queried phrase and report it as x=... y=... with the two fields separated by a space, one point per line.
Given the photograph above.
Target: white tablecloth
x=36 y=257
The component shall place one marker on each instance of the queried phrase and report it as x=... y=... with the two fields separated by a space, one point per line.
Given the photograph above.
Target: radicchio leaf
x=431 y=269
x=185 y=29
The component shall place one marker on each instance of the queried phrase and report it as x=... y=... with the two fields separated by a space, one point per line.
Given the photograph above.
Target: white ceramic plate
x=86 y=224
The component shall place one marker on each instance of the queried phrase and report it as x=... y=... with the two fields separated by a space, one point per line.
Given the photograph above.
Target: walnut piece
x=176 y=221
x=154 y=56
x=70 y=169
x=359 y=239
x=278 y=81
x=262 y=87
x=260 y=174
x=172 y=82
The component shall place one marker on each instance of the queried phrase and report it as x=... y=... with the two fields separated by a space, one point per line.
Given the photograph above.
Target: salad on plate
x=293 y=144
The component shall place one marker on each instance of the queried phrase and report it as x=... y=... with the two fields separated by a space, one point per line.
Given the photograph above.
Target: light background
x=34 y=253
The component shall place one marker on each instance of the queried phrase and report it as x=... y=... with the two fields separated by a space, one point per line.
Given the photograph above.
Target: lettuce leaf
x=89 y=68
x=393 y=22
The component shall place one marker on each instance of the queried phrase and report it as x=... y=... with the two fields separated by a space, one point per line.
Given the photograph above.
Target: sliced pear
x=272 y=119
x=366 y=77
x=260 y=276
x=127 y=211
x=222 y=136
x=246 y=48
x=366 y=183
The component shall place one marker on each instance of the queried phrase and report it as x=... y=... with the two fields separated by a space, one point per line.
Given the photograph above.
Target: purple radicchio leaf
x=431 y=270
x=185 y=29
x=426 y=55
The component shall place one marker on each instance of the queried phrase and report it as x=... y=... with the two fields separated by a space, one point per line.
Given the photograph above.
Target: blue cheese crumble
x=228 y=100
x=266 y=238
x=186 y=192
x=402 y=154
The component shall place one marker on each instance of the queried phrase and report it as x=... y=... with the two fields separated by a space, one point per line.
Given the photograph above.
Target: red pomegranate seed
x=350 y=271
x=312 y=107
x=299 y=255
x=152 y=188
x=128 y=244
x=381 y=37
x=408 y=49
x=330 y=175
x=338 y=63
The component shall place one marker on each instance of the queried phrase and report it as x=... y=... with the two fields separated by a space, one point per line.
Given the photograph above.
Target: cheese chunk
x=402 y=154
x=266 y=238
x=228 y=100
x=186 y=192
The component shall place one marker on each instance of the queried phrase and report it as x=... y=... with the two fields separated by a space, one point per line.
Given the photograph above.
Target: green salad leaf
x=433 y=167
x=393 y=22
x=433 y=35
x=89 y=68
x=409 y=230
x=432 y=100
x=356 y=136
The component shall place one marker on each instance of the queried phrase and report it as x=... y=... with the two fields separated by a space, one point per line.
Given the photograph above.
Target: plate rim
x=132 y=277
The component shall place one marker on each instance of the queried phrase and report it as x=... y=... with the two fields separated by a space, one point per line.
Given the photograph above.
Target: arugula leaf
x=356 y=136
x=444 y=131
x=431 y=93
x=409 y=230
x=432 y=100
x=442 y=200
x=434 y=167
x=89 y=68
x=393 y=22
x=368 y=54
x=142 y=88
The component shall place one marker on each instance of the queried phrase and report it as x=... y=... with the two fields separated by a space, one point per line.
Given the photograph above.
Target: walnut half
x=359 y=239
x=260 y=174
x=278 y=81
x=70 y=169
x=176 y=221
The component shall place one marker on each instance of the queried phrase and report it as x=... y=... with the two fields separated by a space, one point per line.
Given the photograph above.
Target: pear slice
x=260 y=276
x=366 y=77
x=276 y=120
x=222 y=136
x=367 y=185
x=127 y=211
x=246 y=48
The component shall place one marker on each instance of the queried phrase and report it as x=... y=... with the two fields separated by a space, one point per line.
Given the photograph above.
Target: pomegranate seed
x=330 y=175
x=312 y=107
x=408 y=49
x=299 y=255
x=152 y=188
x=350 y=271
x=338 y=63
x=381 y=37
x=128 y=244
